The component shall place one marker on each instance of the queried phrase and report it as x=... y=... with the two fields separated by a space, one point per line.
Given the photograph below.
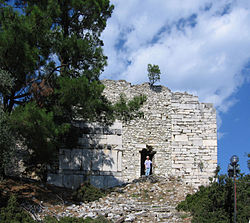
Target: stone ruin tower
x=178 y=133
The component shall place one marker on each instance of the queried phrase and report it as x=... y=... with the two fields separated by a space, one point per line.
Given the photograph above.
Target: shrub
x=87 y=192
x=215 y=203
x=13 y=213
x=7 y=142
x=49 y=219
x=100 y=219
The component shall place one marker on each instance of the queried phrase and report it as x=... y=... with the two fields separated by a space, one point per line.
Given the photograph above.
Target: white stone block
x=194 y=151
x=110 y=160
x=103 y=141
x=86 y=159
x=97 y=181
x=210 y=142
x=55 y=179
x=119 y=160
x=114 y=140
x=116 y=125
x=114 y=157
x=68 y=181
x=97 y=160
x=65 y=159
x=111 y=181
x=212 y=126
x=177 y=166
x=76 y=159
x=181 y=137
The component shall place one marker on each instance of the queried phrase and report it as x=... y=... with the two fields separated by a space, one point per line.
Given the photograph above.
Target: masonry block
x=177 y=131
x=181 y=137
x=210 y=142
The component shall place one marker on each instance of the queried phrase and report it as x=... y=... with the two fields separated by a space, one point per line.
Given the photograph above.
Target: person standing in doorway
x=147 y=164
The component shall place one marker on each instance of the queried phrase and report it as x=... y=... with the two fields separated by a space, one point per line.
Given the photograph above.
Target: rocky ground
x=151 y=199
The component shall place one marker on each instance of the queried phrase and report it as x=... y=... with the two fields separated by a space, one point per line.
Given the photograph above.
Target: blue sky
x=201 y=46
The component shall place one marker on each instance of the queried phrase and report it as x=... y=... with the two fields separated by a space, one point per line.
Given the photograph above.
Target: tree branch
x=21 y=96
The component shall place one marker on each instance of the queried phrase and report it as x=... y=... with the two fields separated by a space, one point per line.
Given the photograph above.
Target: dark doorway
x=144 y=153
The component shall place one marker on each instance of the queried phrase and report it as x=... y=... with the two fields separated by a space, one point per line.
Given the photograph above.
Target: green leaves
x=6 y=82
x=36 y=127
x=60 y=35
x=50 y=60
x=13 y=213
x=87 y=193
x=7 y=141
x=128 y=110
x=85 y=99
x=24 y=49
x=214 y=203
x=153 y=73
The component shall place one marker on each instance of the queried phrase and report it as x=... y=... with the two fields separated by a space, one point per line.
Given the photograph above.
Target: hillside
x=150 y=199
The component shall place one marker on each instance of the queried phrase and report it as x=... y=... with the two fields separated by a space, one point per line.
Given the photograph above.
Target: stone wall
x=97 y=158
x=177 y=131
x=181 y=130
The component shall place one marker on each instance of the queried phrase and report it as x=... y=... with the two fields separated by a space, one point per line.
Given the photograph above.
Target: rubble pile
x=151 y=199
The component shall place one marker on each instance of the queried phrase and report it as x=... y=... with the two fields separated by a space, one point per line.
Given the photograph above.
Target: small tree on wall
x=153 y=74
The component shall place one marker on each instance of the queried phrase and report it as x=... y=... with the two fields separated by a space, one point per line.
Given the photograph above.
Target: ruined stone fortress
x=177 y=132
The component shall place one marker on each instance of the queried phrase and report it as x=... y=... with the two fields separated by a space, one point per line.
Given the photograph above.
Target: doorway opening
x=148 y=151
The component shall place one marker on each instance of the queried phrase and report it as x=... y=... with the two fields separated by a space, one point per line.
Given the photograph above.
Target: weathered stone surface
x=178 y=130
x=55 y=179
x=181 y=137
x=210 y=142
x=151 y=199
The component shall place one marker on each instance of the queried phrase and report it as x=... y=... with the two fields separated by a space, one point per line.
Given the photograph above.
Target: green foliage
x=87 y=192
x=153 y=73
x=39 y=132
x=13 y=213
x=214 y=203
x=6 y=82
x=81 y=98
x=47 y=37
x=23 y=39
x=99 y=219
x=50 y=60
x=7 y=141
x=127 y=110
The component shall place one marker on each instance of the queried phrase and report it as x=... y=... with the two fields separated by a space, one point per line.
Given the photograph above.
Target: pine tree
x=153 y=74
x=52 y=53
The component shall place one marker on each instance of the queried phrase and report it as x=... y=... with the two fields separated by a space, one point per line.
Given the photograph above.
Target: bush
x=7 y=142
x=215 y=203
x=63 y=220
x=13 y=213
x=87 y=192
x=100 y=219
x=3 y=199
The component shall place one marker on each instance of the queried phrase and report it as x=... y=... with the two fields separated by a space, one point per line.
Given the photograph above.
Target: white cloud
x=220 y=135
x=200 y=46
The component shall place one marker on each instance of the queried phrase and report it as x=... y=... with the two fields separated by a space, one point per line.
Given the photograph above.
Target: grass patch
x=135 y=195
x=185 y=215
x=87 y=193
